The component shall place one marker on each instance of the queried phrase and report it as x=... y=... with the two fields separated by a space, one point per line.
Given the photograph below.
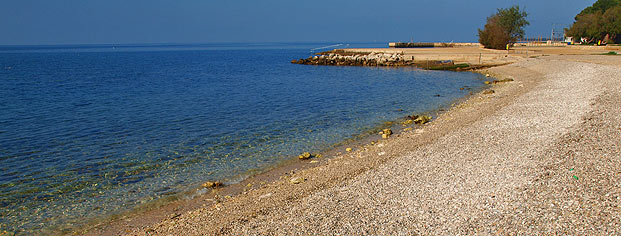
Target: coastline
x=200 y=197
x=220 y=213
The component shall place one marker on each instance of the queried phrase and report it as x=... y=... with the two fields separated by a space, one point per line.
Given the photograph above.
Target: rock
x=487 y=82
x=210 y=184
x=487 y=75
x=386 y=133
x=348 y=149
x=407 y=129
x=422 y=119
x=305 y=156
x=294 y=61
x=408 y=122
x=297 y=180
x=489 y=91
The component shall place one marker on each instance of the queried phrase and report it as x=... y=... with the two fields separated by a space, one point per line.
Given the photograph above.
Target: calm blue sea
x=87 y=131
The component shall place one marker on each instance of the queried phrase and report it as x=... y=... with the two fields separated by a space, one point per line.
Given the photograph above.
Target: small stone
x=313 y=162
x=348 y=149
x=248 y=185
x=385 y=136
x=305 y=156
x=487 y=82
x=407 y=129
x=297 y=180
x=408 y=122
x=487 y=75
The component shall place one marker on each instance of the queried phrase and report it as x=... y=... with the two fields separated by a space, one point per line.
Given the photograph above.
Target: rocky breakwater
x=370 y=59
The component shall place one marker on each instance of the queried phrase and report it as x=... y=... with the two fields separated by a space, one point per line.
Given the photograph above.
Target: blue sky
x=36 y=22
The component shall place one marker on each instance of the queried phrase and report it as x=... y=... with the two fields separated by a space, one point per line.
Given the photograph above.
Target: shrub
x=504 y=27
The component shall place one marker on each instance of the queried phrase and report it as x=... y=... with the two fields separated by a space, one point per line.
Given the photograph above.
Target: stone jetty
x=370 y=59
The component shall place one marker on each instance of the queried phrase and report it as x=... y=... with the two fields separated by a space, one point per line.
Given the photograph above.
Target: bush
x=504 y=27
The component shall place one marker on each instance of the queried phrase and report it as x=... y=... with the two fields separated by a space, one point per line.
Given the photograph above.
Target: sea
x=94 y=130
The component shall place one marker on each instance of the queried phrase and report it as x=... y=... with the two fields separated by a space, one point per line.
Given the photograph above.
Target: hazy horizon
x=75 y=22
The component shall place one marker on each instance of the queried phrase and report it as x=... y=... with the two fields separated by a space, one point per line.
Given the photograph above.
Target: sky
x=47 y=22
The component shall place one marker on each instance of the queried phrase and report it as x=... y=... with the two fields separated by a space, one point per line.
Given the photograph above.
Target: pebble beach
x=536 y=154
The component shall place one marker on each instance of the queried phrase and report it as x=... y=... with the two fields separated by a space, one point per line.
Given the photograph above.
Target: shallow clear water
x=89 y=131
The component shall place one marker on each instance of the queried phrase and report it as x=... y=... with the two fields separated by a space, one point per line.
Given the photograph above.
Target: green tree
x=504 y=27
x=599 y=6
x=602 y=21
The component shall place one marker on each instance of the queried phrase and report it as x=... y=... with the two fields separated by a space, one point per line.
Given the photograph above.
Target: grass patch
x=612 y=53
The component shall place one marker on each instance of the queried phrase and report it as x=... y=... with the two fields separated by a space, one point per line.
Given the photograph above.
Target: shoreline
x=196 y=197
x=334 y=171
